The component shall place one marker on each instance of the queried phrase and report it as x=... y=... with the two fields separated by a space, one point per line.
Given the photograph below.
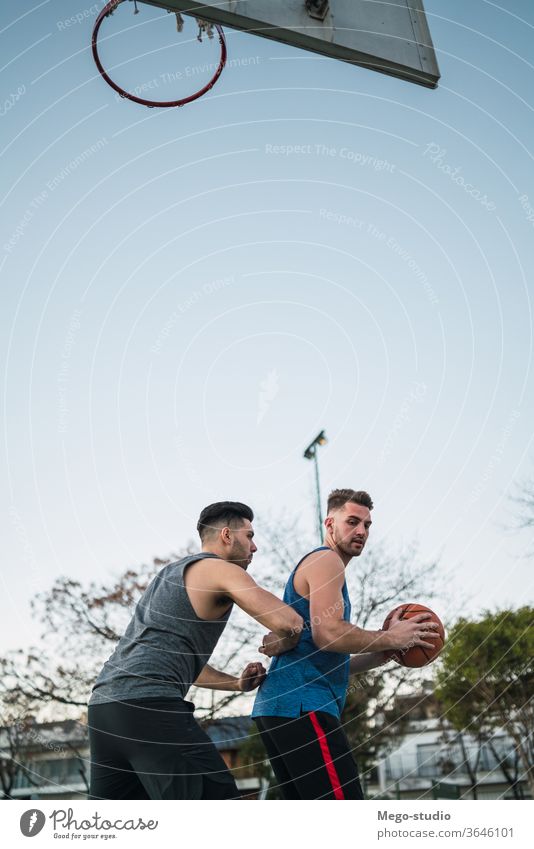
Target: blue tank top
x=305 y=678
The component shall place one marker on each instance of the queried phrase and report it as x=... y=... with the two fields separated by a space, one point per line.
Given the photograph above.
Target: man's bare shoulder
x=213 y=572
x=318 y=568
x=326 y=559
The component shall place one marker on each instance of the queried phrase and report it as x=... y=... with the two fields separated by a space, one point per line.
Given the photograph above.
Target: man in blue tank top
x=145 y=742
x=299 y=704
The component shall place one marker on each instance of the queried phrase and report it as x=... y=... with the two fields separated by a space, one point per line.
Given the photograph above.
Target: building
x=54 y=759
x=433 y=761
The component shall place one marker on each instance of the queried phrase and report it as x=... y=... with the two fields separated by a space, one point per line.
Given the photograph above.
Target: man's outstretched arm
x=266 y=608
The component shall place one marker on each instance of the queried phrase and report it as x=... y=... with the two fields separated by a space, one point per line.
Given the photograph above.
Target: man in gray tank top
x=145 y=742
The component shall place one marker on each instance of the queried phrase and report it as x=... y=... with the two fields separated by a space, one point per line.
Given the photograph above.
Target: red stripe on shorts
x=325 y=751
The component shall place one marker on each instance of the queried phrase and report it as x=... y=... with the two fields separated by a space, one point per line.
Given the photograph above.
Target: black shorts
x=310 y=756
x=154 y=749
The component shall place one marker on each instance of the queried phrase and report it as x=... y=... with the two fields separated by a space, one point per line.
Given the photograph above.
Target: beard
x=240 y=557
x=345 y=546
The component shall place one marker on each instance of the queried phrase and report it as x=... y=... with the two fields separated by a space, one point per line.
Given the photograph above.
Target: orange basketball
x=416 y=656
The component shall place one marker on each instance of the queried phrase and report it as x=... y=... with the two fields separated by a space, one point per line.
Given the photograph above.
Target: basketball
x=416 y=656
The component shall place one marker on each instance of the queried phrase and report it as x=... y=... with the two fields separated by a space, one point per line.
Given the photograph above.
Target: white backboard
x=391 y=36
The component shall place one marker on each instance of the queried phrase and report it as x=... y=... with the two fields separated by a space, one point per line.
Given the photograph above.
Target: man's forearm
x=289 y=627
x=366 y=661
x=212 y=679
x=341 y=636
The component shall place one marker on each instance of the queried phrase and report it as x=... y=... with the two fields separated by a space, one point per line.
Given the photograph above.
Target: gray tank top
x=165 y=646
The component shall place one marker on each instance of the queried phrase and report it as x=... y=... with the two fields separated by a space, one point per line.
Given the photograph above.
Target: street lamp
x=311 y=454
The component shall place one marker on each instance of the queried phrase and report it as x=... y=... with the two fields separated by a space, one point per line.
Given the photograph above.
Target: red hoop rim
x=107 y=10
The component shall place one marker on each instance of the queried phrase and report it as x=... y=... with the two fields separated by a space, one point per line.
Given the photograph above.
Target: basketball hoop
x=203 y=27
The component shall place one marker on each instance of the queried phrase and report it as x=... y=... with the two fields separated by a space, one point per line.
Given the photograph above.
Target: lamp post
x=311 y=454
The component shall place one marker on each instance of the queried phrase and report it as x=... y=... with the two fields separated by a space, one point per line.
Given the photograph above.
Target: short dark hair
x=339 y=497
x=223 y=514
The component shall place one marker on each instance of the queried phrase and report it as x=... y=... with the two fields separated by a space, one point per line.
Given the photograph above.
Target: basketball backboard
x=390 y=36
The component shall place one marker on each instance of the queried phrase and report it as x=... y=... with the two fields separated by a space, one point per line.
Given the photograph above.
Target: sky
x=190 y=295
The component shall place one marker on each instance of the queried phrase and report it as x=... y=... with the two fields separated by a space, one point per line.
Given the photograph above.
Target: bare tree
x=16 y=723
x=81 y=627
x=524 y=504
